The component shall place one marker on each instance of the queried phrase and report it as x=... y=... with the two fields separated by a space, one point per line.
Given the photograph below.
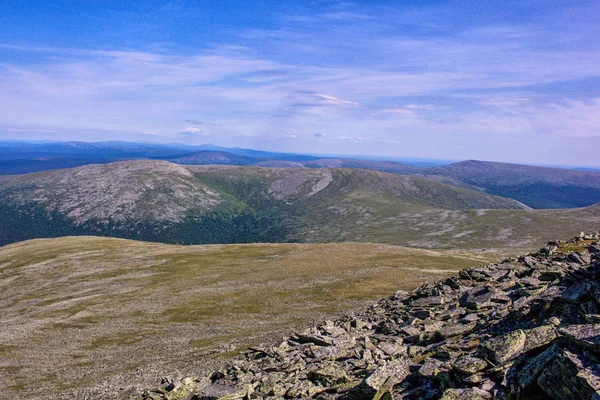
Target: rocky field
x=524 y=328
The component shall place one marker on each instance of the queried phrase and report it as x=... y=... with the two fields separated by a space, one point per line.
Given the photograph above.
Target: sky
x=514 y=81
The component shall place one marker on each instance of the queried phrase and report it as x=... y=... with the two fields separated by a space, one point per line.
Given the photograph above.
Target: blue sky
x=495 y=80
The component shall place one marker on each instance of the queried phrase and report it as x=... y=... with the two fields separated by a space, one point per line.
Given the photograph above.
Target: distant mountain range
x=536 y=187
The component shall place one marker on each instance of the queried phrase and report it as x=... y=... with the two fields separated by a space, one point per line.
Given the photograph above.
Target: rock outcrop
x=527 y=327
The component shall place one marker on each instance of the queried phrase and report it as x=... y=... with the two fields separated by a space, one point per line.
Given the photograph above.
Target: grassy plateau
x=100 y=313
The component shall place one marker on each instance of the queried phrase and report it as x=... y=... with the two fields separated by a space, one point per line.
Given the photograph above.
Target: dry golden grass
x=90 y=312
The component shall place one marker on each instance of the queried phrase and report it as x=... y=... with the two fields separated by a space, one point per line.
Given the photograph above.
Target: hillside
x=538 y=187
x=161 y=201
x=82 y=316
x=524 y=328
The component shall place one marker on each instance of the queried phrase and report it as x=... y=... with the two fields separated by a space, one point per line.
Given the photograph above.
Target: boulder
x=584 y=335
x=571 y=376
x=451 y=330
x=466 y=394
x=469 y=365
x=501 y=349
x=538 y=337
x=397 y=370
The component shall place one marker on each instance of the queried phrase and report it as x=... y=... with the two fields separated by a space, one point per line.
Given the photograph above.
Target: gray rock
x=469 y=365
x=328 y=375
x=431 y=301
x=538 y=337
x=430 y=367
x=571 y=376
x=451 y=330
x=222 y=392
x=319 y=340
x=533 y=367
x=466 y=394
x=397 y=370
x=577 y=293
x=501 y=349
x=585 y=335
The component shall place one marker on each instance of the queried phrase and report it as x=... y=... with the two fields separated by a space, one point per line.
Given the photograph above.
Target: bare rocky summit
x=524 y=328
x=128 y=190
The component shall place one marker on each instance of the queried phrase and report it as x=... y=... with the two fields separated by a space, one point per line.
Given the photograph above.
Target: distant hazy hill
x=161 y=201
x=85 y=150
x=538 y=187
x=215 y=157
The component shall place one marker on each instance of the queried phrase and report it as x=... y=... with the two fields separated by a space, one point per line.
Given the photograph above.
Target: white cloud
x=26 y=130
x=353 y=138
x=420 y=107
x=505 y=101
x=389 y=141
x=192 y=129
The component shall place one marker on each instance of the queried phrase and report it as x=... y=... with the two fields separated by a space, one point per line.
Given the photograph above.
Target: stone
x=551 y=273
x=385 y=392
x=594 y=248
x=577 y=293
x=571 y=376
x=409 y=330
x=466 y=394
x=429 y=367
x=538 y=337
x=451 y=330
x=222 y=392
x=501 y=349
x=576 y=258
x=469 y=365
x=392 y=348
x=181 y=390
x=533 y=367
x=328 y=375
x=585 y=335
x=397 y=370
x=431 y=301
x=319 y=340
x=478 y=297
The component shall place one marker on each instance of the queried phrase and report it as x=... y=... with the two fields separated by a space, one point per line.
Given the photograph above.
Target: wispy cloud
x=28 y=130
